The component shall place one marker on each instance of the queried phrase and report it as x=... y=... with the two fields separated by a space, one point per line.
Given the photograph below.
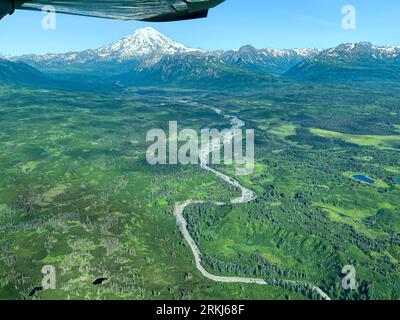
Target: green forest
x=77 y=193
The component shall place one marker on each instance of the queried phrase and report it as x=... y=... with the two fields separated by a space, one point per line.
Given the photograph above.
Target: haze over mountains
x=147 y=57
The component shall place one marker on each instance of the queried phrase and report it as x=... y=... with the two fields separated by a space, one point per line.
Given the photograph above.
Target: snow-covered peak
x=363 y=49
x=143 y=42
x=307 y=52
x=290 y=52
x=277 y=53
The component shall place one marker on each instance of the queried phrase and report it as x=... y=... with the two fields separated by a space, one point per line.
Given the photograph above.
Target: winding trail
x=247 y=196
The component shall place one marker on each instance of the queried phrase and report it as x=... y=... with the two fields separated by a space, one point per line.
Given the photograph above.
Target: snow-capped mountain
x=266 y=60
x=360 y=50
x=145 y=47
x=144 y=43
x=3 y=57
x=148 y=53
x=350 y=62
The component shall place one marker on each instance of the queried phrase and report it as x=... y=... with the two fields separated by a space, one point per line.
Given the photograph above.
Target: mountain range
x=350 y=62
x=19 y=72
x=140 y=45
x=148 y=57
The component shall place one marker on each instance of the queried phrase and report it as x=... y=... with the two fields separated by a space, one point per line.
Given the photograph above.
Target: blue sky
x=262 y=23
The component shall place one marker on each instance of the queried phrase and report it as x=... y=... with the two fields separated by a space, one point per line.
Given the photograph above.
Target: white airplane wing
x=144 y=10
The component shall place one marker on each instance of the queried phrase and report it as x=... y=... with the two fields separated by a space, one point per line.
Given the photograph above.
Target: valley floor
x=76 y=192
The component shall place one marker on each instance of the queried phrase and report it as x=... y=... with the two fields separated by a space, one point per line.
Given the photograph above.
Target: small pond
x=363 y=178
